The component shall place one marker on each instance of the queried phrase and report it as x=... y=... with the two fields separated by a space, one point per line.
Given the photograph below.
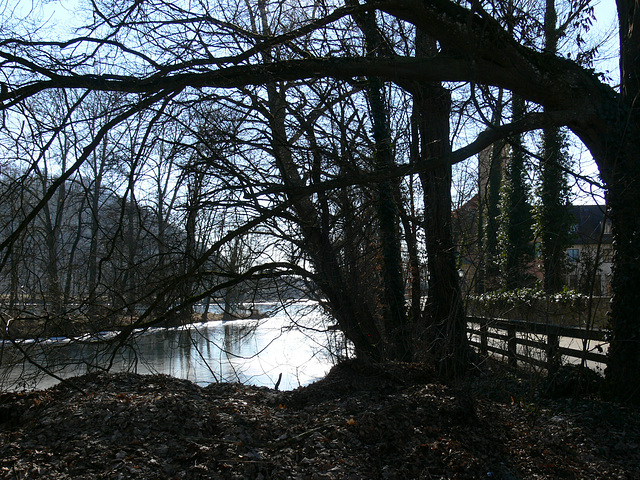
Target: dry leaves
x=361 y=422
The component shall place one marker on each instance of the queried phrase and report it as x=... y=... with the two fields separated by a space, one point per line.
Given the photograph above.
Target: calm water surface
x=292 y=342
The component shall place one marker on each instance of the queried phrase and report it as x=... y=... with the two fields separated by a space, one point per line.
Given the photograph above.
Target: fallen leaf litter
x=361 y=422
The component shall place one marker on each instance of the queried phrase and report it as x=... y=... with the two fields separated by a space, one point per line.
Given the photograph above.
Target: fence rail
x=493 y=334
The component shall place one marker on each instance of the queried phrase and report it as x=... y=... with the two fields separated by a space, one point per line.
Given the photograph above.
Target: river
x=292 y=341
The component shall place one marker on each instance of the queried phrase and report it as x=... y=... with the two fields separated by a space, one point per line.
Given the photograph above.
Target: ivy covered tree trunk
x=445 y=311
x=396 y=327
x=554 y=217
x=515 y=213
x=396 y=324
x=493 y=213
x=489 y=202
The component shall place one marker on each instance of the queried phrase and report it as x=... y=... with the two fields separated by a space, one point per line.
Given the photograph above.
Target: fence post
x=484 y=342
x=512 y=344
x=553 y=349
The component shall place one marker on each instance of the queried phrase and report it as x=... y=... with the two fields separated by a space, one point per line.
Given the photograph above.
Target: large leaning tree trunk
x=623 y=368
x=622 y=159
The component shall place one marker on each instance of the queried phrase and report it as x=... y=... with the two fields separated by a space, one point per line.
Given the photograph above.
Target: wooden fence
x=544 y=338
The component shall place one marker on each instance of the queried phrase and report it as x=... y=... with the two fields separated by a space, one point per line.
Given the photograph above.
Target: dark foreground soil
x=361 y=422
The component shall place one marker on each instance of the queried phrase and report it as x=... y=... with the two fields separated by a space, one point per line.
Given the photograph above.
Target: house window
x=607 y=227
x=607 y=254
x=573 y=254
x=573 y=228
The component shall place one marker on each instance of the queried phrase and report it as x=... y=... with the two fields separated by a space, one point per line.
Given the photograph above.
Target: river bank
x=360 y=422
x=44 y=328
